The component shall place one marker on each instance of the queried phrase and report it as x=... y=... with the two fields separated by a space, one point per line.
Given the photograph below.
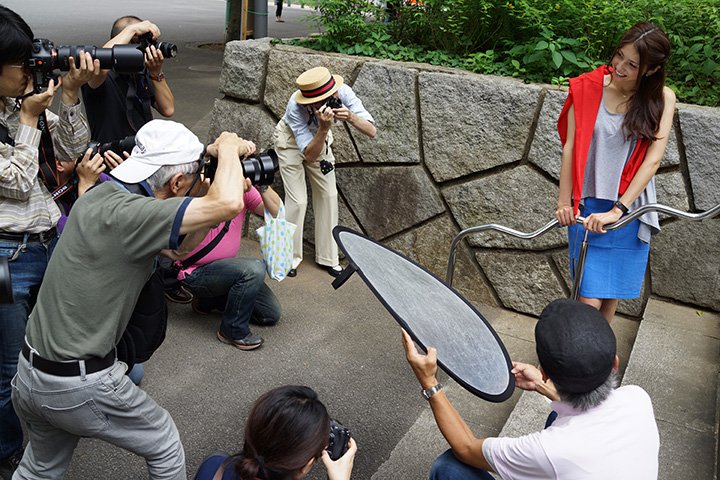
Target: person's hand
x=153 y=60
x=228 y=139
x=424 y=366
x=527 y=377
x=325 y=116
x=80 y=72
x=89 y=169
x=135 y=30
x=112 y=159
x=342 y=114
x=597 y=221
x=565 y=215
x=341 y=468
x=37 y=103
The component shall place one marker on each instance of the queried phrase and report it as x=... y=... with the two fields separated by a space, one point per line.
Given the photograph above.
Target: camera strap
x=5 y=136
x=134 y=95
x=46 y=155
x=190 y=261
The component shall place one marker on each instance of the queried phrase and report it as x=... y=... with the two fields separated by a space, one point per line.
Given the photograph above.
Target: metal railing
x=580 y=265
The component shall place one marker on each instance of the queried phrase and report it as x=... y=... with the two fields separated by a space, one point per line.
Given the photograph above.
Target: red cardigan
x=586 y=94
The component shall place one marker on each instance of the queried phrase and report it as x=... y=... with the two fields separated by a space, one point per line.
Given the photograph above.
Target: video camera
x=259 y=168
x=46 y=58
x=339 y=438
x=6 y=291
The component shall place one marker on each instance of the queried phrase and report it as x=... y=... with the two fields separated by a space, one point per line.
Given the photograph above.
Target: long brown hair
x=286 y=428
x=645 y=106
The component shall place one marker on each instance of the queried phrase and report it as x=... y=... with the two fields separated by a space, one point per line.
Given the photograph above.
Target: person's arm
x=88 y=171
x=530 y=378
x=651 y=162
x=565 y=214
x=317 y=144
x=164 y=100
x=87 y=70
x=124 y=38
x=466 y=447
x=364 y=126
x=224 y=200
x=190 y=242
x=270 y=202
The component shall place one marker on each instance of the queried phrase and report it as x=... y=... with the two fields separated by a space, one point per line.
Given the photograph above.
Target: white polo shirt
x=618 y=439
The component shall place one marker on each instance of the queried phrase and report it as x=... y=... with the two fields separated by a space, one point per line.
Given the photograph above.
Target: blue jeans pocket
x=84 y=419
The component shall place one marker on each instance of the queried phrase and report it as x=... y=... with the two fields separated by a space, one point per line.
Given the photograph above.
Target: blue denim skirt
x=616 y=261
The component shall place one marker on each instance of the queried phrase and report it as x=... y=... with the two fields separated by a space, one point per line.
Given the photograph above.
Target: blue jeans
x=236 y=286
x=106 y=405
x=447 y=467
x=27 y=268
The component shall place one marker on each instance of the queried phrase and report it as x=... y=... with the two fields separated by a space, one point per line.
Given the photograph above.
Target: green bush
x=537 y=40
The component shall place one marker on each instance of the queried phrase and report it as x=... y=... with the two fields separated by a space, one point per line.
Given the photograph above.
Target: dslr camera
x=333 y=102
x=46 y=58
x=259 y=168
x=168 y=50
x=118 y=146
x=339 y=438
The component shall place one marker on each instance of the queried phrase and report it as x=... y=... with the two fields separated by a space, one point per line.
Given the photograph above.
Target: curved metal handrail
x=650 y=207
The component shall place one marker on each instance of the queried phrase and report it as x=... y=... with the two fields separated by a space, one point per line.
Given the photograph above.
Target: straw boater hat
x=316 y=85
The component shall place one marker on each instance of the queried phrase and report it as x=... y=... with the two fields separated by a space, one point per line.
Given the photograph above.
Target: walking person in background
x=614 y=128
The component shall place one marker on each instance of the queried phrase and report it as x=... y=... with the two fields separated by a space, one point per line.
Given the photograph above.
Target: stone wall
x=456 y=150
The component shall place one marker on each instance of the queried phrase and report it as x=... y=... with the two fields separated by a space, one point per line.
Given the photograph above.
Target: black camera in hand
x=259 y=168
x=333 y=102
x=339 y=439
x=46 y=58
x=6 y=291
x=168 y=50
x=117 y=146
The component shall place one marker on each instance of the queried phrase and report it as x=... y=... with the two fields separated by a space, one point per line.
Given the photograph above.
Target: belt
x=42 y=237
x=70 y=368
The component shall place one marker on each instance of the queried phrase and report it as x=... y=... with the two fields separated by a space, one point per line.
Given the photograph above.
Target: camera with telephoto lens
x=333 y=102
x=6 y=291
x=46 y=58
x=168 y=50
x=339 y=438
x=118 y=146
x=259 y=168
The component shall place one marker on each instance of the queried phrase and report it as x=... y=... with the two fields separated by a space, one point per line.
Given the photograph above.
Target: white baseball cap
x=158 y=143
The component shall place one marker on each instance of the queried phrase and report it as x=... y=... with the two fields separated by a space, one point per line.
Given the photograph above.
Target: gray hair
x=159 y=179
x=593 y=398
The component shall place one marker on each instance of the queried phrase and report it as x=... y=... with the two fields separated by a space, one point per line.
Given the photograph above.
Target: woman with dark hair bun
x=287 y=431
x=614 y=128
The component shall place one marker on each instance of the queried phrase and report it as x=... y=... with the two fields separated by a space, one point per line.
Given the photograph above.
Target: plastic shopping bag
x=276 y=244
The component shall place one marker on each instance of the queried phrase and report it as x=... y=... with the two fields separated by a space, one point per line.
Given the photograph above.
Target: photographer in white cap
x=69 y=383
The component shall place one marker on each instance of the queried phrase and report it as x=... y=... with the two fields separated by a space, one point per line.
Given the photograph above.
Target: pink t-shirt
x=230 y=243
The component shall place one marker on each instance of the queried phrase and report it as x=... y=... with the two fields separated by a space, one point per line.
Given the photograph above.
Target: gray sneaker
x=250 y=342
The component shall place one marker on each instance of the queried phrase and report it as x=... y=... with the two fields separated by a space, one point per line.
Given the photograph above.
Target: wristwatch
x=622 y=207
x=159 y=78
x=431 y=391
x=262 y=188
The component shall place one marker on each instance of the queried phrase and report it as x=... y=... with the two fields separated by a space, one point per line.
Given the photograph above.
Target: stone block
x=701 y=136
x=523 y=281
x=251 y=122
x=429 y=246
x=244 y=68
x=388 y=93
x=546 y=149
x=472 y=123
x=520 y=199
x=671 y=191
x=671 y=157
x=387 y=200
x=685 y=262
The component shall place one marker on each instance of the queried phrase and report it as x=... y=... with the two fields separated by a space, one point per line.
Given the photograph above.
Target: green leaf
x=515 y=63
x=569 y=56
x=541 y=45
x=695 y=48
x=709 y=66
x=700 y=314
x=557 y=59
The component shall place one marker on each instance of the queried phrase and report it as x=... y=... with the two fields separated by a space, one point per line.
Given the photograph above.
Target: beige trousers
x=293 y=167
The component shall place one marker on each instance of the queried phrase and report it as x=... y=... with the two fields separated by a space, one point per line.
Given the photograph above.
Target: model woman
x=614 y=128
x=286 y=433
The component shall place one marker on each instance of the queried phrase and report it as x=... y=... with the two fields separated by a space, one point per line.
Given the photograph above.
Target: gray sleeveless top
x=608 y=155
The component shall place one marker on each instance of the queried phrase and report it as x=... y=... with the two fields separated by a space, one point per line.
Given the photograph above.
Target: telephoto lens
x=261 y=168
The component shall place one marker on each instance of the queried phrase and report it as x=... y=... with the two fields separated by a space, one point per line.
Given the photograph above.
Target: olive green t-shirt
x=100 y=264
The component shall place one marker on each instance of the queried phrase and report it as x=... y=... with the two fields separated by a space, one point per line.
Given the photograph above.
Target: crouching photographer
x=287 y=431
x=28 y=215
x=111 y=239
x=221 y=281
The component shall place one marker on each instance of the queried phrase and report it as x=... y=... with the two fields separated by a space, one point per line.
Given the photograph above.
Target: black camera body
x=333 y=102
x=339 y=438
x=46 y=58
x=118 y=146
x=259 y=168
x=168 y=50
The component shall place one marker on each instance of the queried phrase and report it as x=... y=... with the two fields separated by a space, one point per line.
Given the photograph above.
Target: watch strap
x=159 y=78
x=432 y=391
x=622 y=207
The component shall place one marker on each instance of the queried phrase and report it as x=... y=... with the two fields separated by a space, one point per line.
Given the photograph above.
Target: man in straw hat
x=599 y=431
x=303 y=140
x=69 y=383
